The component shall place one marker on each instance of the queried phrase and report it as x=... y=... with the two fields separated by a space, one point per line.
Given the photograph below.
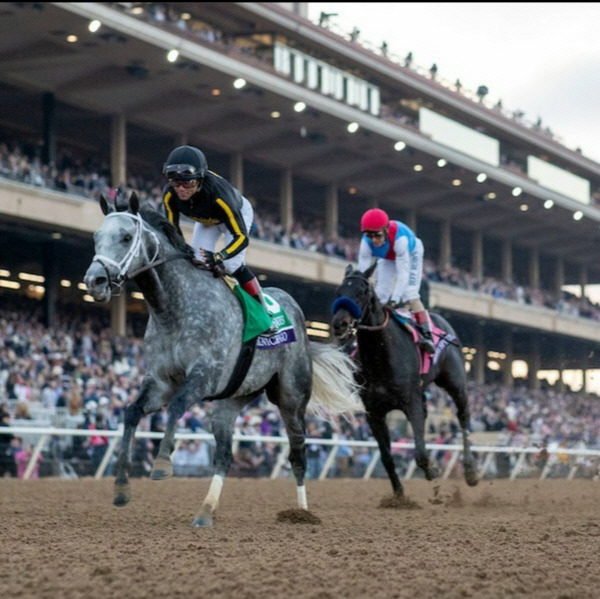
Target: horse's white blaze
x=302 y=502
x=214 y=491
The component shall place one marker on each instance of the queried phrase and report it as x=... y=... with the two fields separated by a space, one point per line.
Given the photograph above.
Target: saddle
x=441 y=338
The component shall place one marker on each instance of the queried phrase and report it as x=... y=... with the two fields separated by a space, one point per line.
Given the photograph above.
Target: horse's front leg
x=381 y=433
x=223 y=423
x=133 y=415
x=416 y=416
x=163 y=467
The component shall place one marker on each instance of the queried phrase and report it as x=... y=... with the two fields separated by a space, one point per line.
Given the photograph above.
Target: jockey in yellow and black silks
x=217 y=208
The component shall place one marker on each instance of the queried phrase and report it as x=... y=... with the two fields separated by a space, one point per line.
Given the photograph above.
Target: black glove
x=214 y=262
x=391 y=304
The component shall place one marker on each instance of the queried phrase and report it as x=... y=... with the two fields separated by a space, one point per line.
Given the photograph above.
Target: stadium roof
x=122 y=69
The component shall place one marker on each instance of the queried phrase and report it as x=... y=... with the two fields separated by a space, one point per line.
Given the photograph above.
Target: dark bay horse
x=192 y=343
x=390 y=372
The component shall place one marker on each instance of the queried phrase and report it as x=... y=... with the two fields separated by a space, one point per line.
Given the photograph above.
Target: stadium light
x=442 y=162
x=4 y=272
x=517 y=191
x=353 y=127
x=481 y=177
x=172 y=55
x=299 y=106
x=399 y=146
x=94 y=25
x=524 y=207
x=72 y=38
x=548 y=204
x=577 y=215
x=239 y=83
x=275 y=114
x=456 y=182
x=418 y=168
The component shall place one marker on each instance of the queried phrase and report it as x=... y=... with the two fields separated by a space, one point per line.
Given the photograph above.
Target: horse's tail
x=334 y=389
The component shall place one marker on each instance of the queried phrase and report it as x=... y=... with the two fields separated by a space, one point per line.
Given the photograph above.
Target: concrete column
x=477 y=255
x=534 y=268
x=583 y=278
x=118 y=150
x=331 y=212
x=118 y=314
x=446 y=245
x=51 y=284
x=508 y=350
x=480 y=359
x=507 y=261
x=534 y=364
x=559 y=275
x=411 y=219
x=236 y=171
x=560 y=384
x=287 y=198
x=49 y=128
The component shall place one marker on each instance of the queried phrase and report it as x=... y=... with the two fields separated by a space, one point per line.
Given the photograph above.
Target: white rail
x=485 y=451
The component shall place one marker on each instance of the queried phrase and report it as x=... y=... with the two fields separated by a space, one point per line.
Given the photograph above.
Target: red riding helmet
x=374 y=220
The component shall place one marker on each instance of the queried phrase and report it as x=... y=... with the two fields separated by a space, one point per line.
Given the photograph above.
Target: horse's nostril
x=100 y=281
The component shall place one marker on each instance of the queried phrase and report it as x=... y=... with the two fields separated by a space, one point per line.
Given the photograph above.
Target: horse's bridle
x=358 y=311
x=124 y=273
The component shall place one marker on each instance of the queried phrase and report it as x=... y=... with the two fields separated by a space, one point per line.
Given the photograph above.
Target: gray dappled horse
x=390 y=372
x=191 y=345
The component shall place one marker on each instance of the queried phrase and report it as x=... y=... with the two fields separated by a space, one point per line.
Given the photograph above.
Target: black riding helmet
x=185 y=163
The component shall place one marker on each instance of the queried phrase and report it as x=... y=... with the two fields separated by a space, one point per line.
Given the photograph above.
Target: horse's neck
x=164 y=288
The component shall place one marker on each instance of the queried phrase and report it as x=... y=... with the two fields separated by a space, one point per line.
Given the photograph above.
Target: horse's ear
x=104 y=206
x=370 y=270
x=349 y=270
x=134 y=203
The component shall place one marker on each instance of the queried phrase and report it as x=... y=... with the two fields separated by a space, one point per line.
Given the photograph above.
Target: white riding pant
x=207 y=237
x=389 y=282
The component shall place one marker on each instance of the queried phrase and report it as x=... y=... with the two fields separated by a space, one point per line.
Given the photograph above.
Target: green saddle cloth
x=256 y=319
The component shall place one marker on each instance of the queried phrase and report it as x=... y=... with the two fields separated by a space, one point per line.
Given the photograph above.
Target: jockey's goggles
x=181 y=172
x=374 y=234
x=183 y=183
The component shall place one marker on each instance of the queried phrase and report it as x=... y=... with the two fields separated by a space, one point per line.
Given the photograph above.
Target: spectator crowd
x=79 y=375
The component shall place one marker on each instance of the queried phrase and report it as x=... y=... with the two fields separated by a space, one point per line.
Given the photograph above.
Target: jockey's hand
x=214 y=262
x=391 y=304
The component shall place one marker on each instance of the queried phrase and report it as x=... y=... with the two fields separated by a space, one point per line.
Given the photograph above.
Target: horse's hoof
x=203 y=521
x=122 y=495
x=431 y=473
x=161 y=469
x=471 y=477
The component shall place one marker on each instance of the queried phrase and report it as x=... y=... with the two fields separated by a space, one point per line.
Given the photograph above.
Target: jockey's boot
x=426 y=342
x=253 y=288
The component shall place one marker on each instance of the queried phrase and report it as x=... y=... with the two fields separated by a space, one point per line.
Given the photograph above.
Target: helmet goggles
x=181 y=172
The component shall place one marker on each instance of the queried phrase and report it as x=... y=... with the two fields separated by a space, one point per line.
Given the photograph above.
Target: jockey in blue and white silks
x=399 y=253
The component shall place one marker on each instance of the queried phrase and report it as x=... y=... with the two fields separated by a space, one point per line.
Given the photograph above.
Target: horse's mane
x=157 y=221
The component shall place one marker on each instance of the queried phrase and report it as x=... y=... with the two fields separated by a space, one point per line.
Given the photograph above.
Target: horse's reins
x=124 y=274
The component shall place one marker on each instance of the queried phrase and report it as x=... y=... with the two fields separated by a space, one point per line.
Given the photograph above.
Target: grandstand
x=314 y=129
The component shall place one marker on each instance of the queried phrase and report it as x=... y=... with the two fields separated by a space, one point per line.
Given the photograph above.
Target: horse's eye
x=127 y=238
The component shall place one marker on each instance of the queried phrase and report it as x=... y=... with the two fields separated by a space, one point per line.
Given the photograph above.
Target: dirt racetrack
x=533 y=539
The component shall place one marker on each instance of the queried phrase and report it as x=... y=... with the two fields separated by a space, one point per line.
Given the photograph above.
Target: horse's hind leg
x=292 y=399
x=223 y=422
x=454 y=382
x=381 y=433
x=133 y=414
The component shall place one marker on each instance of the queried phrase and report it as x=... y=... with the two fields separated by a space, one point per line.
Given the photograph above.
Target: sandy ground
x=512 y=539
